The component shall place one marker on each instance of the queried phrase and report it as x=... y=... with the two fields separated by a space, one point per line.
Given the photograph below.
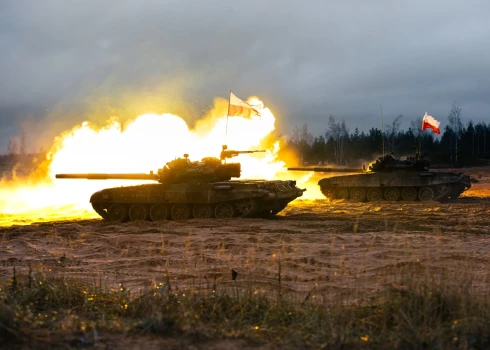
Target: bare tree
x=303 y=139
x=22 y=148
x=456 y=126
x=338 y=132
x=302 y=135
x=13 y=146
x=416 y=126
x=392 y=131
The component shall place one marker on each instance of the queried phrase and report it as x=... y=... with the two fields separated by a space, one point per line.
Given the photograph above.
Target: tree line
x=17 y=150
x=459 y=144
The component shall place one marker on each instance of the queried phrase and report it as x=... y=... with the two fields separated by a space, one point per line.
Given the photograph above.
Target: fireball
x=138 y=146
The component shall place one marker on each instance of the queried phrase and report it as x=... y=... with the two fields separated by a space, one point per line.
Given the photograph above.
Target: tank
x=185 y=189
x=393 y=179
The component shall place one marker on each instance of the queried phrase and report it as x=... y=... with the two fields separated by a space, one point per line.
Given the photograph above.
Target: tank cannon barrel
x=231 y=153
x=95 y=176
x=327 y=170
x=245 y=152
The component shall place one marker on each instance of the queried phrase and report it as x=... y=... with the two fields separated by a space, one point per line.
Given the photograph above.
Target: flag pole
x=227 y=115
x=382 y=130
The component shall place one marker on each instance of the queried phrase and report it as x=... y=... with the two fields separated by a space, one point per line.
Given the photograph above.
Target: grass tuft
x=49 y=310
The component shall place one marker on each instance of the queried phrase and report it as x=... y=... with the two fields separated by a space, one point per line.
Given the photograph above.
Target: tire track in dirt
x=337 y=250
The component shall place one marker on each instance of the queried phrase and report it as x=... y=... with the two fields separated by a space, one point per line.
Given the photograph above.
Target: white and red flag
x=237 y=107
x=428 y=122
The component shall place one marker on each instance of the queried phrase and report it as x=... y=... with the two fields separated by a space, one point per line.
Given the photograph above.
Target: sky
x=63 y=62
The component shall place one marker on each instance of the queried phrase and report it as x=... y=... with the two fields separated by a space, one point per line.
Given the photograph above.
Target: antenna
x=227 y=114
x=382 y=130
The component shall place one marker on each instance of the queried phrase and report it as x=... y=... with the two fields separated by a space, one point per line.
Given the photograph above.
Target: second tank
x=393 y=179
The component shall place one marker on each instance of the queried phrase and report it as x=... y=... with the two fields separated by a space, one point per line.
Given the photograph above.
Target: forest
x=459 y=144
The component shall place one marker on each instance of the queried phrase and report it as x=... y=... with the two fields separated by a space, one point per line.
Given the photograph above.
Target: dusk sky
x=63 y=62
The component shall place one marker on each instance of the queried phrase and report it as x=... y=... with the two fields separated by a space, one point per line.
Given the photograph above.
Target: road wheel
x=201 y=211
x=246 y=207
x=443 y=190
x=426 y=194
x=341 y=193
x=374 y=194
x=409 y=194
x=327 y=192
x=117 y=212
x=358 y=194
x=224 y=211
x=158 y=212
x=137 y=212
x=179 y=212
x=392 y=194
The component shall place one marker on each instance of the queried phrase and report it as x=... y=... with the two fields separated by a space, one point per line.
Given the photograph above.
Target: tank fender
x=101 y=196
x=226 y=195
x=222 y=187
x=467 y=180
x=324 y=182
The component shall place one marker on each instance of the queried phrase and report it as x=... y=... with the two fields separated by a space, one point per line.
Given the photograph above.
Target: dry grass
x=420 y=310
x=322 y=275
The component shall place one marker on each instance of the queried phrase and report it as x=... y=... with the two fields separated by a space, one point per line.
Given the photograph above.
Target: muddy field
x=335 y=250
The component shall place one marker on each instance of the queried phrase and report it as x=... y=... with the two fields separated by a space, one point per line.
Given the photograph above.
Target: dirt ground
x=339 y=250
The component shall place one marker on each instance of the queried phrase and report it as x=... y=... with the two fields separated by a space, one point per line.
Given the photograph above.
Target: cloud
x=308 y=59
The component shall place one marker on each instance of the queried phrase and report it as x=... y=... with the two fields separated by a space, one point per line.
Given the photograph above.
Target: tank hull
x=408 y=186
x=226 y=199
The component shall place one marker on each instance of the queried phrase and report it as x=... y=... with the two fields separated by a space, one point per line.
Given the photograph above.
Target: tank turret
x=209 y=169
x=389 y=163
x=391 y=178
x=180 y=170
x=186 y=189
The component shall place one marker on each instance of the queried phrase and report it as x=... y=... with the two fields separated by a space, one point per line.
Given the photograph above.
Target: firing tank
x=392 y=179
x=186 y=189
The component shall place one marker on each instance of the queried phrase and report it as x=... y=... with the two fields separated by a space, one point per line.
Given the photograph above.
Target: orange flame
x=139 y=146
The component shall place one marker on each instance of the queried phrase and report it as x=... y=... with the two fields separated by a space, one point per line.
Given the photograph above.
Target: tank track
x=246 y=208
x=99 y=210
x=441 y=193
